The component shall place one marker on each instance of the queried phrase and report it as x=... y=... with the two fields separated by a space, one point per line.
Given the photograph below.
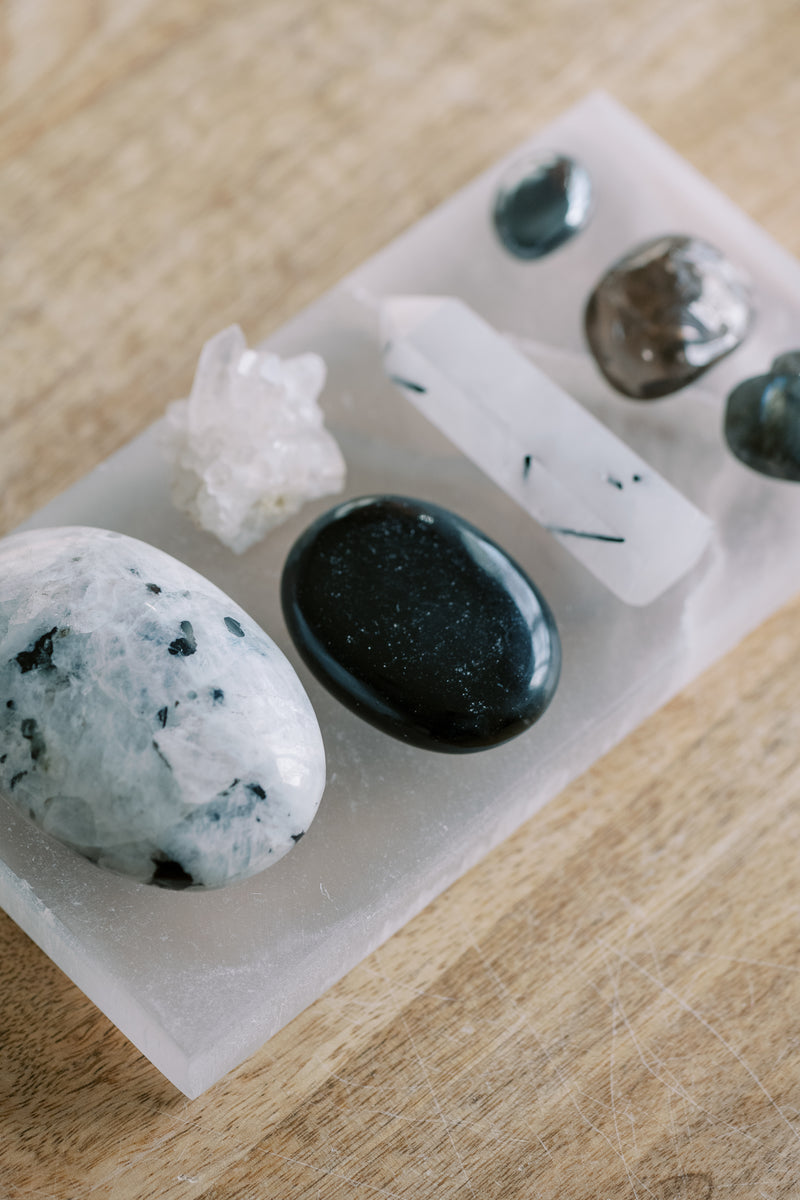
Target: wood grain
x=608 y=1007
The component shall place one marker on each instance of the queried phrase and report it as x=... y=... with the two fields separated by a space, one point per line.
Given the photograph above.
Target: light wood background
x=608 y=1008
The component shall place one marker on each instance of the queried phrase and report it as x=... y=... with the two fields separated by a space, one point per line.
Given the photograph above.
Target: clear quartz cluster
x=249 y=446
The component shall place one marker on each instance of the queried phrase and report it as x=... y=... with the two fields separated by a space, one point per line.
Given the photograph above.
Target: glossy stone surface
x=664 y=314
x=541 y=203
x=762 y=419
x=145 y=719
x=420 y=624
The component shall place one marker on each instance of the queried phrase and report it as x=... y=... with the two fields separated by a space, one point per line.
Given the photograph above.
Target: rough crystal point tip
x=421 y=624
x=762 y=420
x=541 y=202
x=664 y=314
x=145 y=720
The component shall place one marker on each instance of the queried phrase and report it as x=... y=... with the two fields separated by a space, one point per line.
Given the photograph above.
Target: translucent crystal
x=608 y=507
x=249 y=446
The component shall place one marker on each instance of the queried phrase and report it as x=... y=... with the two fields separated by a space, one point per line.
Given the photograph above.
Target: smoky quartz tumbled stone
x=421 y=624
x=664 y=314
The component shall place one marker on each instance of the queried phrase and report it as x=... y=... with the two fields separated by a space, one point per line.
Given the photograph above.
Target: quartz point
x=762 y=419
x=626 y=524
x=421 y=624
x=146 y=721
x=664 y=313
x=249 y=446
x=541 y=202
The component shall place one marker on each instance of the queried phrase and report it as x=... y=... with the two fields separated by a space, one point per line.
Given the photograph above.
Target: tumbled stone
x=762 y=419
x=664 y=314
x=541 y=203
x=145 y=719
x=421 y=624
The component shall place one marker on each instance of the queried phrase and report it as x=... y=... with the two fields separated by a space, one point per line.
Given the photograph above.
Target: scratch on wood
x=684 y=1004
x=676 y=1088
x=434 y=1097
x=299 y=1162
x=437 y=1105
x=612 y=1090
x=526 y=1022
x=692 y=1186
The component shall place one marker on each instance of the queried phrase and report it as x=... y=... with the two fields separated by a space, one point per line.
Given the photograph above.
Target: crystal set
x=506 y=506
x=150 y=725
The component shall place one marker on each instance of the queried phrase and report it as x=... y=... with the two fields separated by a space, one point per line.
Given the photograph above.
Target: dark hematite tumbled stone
x=664 y=314
x=762 y=419
x=541 y=203
x=421 y=624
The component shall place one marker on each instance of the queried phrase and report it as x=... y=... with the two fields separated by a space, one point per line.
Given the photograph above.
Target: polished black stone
x=664 y=314
x=421 y=624
x=762 y=419
x=541 y=203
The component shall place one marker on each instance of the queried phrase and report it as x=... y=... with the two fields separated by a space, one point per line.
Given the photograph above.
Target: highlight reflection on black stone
x=664 y=314
x=541 y=203
x=762 y=419
x=421 y=624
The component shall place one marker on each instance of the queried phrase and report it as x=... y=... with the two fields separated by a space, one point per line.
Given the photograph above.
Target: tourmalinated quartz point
x=600 y=500
x=420 y=624
x=249 y=446
x=541 y=203
x=664 y=314
x=145 y=719
x=762 y=419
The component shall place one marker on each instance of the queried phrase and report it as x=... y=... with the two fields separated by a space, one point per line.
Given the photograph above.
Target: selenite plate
x=198 y=981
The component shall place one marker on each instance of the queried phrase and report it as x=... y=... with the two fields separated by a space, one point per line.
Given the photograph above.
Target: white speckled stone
x=145 y=719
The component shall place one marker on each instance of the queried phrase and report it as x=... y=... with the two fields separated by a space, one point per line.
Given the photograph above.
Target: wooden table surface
x=608 y=1007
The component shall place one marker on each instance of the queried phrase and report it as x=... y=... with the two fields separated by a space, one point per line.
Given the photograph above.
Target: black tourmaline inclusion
x=421 y=624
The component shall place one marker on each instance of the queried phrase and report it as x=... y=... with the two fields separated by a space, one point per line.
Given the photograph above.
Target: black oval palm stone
x=420 y=624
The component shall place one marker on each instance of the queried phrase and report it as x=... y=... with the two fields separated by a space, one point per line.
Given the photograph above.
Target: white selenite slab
x=199 y=981
x=599 y=499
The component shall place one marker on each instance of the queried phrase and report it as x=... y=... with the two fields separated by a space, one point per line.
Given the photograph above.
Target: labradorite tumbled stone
x=762 y=419
x=421 y=624
x=541 y=203
x=664 y=314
